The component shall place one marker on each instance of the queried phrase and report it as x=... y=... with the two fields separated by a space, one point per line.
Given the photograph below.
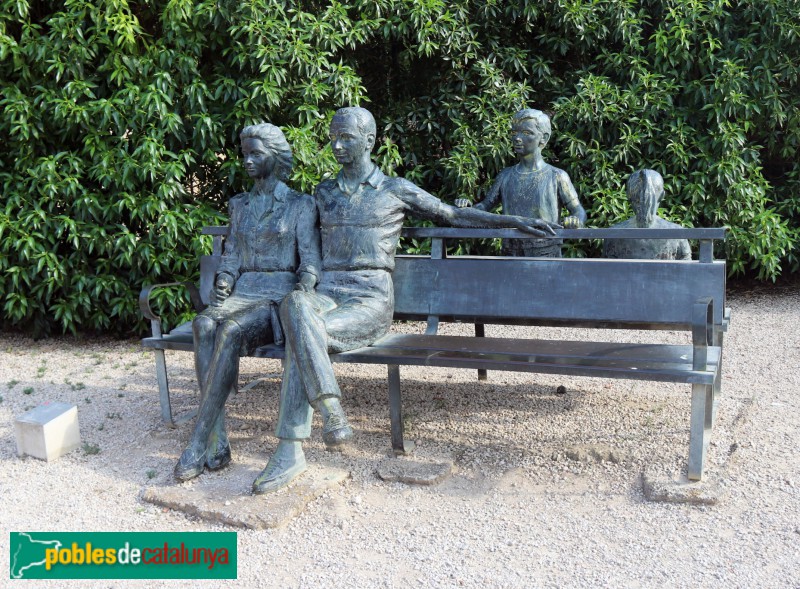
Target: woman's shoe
x=189 y=465
x=219 y=460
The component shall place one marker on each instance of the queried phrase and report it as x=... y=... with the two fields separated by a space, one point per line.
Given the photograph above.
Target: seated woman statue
x=272 y=248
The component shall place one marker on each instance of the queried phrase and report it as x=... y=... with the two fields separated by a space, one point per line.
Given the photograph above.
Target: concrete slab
x=660 y=488
x=225 y=496
x=414 y=472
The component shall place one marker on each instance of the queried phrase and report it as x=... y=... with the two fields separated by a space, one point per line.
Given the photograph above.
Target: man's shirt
x=360 y=231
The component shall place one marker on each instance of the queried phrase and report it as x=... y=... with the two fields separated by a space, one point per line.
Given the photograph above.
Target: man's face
x=347 y=141
x=526 y=137
x=258 y=160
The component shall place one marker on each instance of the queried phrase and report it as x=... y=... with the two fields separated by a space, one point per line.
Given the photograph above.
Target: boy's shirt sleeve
x=566 y=191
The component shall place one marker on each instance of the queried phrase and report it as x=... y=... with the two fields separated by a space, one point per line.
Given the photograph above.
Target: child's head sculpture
x=530 y=132
x=645 y=190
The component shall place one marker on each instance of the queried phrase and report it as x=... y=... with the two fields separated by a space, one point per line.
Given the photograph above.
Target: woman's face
x=258 y=160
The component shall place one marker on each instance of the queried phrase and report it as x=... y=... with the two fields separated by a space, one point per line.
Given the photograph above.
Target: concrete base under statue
x=414 y=472
x=225 y=496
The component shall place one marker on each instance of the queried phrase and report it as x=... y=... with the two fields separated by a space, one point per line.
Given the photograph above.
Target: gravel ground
x=518 y=512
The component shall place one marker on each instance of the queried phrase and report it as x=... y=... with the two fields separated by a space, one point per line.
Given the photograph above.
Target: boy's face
x=526 y=138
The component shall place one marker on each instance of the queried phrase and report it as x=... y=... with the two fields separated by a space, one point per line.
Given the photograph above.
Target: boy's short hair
x=542 y=120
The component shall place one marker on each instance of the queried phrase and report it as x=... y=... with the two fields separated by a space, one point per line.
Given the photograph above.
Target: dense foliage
x=120 y=121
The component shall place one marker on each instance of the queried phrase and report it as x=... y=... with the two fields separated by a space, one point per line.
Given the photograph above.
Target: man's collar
x=374 y=178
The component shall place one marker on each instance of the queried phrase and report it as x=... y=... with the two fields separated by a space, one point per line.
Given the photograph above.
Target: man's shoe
x=335 y=429
x=338 y=436
x=284 y=466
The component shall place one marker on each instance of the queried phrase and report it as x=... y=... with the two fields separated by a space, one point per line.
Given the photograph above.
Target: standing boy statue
x=532 y=187
x=361 y=212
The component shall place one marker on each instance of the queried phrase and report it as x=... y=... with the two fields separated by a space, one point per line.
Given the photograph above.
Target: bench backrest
x=559 y=291
x=543 y=291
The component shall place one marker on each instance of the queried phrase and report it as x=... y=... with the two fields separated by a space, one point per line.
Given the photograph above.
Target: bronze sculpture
x=645 y=190
x=532 y=187
x=272 y=248
x=361 y=212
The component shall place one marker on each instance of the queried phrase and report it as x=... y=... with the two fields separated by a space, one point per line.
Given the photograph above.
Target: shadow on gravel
x=495 y=425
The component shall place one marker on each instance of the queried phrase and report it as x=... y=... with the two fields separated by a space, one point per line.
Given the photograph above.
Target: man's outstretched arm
x=428 y=206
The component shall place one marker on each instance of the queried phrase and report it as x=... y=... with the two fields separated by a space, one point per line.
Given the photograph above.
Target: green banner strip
x=123 y=555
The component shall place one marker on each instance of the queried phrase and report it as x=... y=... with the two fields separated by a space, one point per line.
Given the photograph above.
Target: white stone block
x=47 y=432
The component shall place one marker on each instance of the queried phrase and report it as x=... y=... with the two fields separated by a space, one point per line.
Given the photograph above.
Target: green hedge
x=121 y=118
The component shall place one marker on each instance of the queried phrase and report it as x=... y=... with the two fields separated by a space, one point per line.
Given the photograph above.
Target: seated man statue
x=645 y=190
x=361 y=213
x=532 y=187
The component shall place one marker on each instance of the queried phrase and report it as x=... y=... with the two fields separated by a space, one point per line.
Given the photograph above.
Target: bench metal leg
x=163 y=393
x=163 y=388
x=399 y=445
x=700 y=428
x=718 y=380
x=479 y=332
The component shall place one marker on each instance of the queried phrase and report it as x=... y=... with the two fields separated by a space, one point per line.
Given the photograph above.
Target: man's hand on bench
x=530 y=225
x=538 y=227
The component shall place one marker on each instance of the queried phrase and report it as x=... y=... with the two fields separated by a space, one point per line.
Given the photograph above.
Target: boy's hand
x=462 y=203
x=572 y=222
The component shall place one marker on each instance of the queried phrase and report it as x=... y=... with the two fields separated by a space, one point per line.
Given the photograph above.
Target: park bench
x=587 y=293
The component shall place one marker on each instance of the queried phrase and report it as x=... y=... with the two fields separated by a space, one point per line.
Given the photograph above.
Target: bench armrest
x=155 y=320
x=702 y=331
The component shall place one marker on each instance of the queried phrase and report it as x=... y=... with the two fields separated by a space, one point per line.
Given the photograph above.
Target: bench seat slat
x=528 y=347
x=658 y=362
x=170 y=342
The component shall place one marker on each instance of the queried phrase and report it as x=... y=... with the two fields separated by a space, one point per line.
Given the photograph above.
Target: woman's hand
x=306 y=283
x=222 y=289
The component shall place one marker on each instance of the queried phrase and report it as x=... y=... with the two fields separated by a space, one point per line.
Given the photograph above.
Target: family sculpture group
x=315 y=272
